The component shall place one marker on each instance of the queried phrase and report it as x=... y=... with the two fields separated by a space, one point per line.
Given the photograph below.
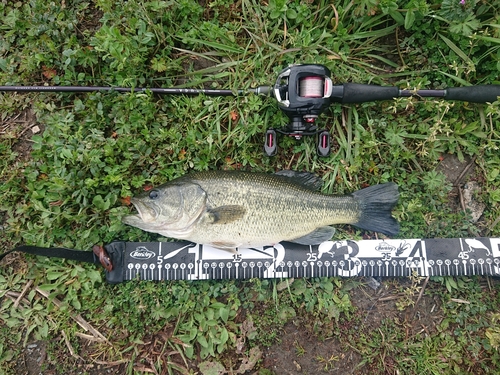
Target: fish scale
x=274 y=206
x=245 y=209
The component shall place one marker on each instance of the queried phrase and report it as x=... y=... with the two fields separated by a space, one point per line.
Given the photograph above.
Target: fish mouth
x=145 y=213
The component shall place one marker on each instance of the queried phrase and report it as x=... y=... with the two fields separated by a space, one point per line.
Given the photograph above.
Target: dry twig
x=78 y=318
x=419 y=297
x=23 y=293
x=70 y=347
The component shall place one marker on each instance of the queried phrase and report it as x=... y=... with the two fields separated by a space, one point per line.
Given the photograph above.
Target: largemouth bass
x=235 y=209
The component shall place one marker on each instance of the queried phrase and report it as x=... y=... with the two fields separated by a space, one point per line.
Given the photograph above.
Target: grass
x=65 y=185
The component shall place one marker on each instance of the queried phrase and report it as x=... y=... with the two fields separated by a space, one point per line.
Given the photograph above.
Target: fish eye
x=153 y=194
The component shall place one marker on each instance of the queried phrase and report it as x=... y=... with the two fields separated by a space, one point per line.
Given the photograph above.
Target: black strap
x=56 y=252
x=109 y=256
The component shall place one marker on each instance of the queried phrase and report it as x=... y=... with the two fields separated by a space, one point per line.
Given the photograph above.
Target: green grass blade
x=456 y=49
x=215 y=45
x=457 y=79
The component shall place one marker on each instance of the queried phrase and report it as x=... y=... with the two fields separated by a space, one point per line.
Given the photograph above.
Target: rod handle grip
x=359 y=93
x=474 y=94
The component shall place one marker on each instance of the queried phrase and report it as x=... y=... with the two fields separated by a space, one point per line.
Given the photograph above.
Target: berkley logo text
x=141 y=253
x=385 y=248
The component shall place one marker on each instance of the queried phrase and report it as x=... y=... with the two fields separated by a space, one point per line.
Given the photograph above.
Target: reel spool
x=303 y=92
x=311 y=87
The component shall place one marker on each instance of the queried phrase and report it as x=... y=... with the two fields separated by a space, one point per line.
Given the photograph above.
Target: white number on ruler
x=312 y=257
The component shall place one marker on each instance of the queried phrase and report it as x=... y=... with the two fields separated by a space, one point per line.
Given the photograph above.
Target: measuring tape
x=389 y=258
x=157 y=261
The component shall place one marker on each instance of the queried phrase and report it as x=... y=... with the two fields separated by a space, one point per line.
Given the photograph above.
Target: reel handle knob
x=323 y=143
x=270 y=144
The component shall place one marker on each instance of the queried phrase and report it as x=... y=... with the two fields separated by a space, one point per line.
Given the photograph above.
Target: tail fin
x=376 y=203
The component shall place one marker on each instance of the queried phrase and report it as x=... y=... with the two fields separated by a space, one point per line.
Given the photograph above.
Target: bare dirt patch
x=303 y=352
x=466 y=184
x=19 y=128
x=32 y=358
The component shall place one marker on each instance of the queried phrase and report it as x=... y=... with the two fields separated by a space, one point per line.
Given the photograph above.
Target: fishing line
x=311 y=87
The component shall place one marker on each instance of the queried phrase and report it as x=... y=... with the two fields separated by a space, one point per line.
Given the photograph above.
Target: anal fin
x=317 y=236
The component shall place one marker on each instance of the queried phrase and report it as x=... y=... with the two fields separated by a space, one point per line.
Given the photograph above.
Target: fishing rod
x=163 y=91
x=303 y=92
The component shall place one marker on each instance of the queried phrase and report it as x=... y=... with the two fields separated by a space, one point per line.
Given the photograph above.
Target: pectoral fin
x=226 y=214
x=317 y=236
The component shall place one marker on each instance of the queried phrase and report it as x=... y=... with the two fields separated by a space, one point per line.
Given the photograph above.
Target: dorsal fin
x=305 y=179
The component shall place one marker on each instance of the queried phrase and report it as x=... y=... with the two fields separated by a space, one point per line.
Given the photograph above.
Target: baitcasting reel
x=303 y=92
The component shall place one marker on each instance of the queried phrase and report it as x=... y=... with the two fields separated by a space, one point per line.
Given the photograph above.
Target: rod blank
x=164 y=91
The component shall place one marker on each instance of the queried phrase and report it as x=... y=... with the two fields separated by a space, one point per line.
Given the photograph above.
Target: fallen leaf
x=211 y=368
x=48 y=72
x=248 y=363
x=234 y=115
x=182 y=154
x=126 y=201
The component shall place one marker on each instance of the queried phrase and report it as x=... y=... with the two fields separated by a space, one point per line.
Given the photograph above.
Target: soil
x=21 y=127
x=31 y=360
x=299 y=352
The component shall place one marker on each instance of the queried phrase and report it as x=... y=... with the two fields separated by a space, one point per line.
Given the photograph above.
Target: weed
x=328 y=363
x=410 y=293
x=299 y=349
x=493 y=332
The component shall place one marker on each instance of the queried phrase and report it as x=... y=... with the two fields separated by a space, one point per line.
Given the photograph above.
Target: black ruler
x=346 y=258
